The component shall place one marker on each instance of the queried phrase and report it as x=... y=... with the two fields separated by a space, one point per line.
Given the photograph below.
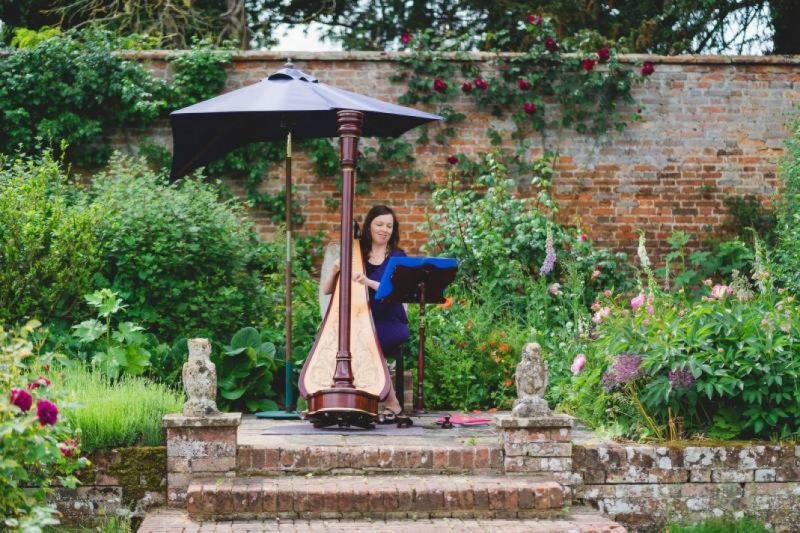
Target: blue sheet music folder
x=386 y=287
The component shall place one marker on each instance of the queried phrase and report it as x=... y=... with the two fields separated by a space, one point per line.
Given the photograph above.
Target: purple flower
x=46 y=412
x=625 y=369
x=550 y=255
x=681 y=379
x=22 y=399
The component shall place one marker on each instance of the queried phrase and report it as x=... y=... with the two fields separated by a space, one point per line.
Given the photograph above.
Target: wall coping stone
x=271 y=55
x=215 y=421
x=554 y=421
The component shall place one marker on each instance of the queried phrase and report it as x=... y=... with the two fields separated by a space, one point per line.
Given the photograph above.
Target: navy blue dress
x=391 y=322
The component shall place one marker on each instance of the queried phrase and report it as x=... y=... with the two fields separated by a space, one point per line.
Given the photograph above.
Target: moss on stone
x=139 y=470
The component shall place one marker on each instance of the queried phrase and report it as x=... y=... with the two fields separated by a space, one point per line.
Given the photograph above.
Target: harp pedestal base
x=343 y=407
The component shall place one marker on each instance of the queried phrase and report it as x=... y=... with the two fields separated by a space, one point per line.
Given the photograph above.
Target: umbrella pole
x=288 y=364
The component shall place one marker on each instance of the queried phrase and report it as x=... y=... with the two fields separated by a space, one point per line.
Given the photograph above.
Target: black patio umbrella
x=288 y=104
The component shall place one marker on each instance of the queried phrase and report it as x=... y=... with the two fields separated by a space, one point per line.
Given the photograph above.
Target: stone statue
x=531 y=380
x=200 y=380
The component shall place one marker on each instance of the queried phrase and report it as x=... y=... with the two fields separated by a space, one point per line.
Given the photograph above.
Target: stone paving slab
x=578 y=521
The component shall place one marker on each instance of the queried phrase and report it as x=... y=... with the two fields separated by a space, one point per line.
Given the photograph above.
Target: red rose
x=406 y=38
x=452 y=160
x=529 y=107
x=588 y=64
x=466 y=88
x=603 y=54
x=536 y=20
x=584 y=237
x=647 y=68
x=524 y=85
x=439 y=85
x=551 y=44
x=46 y=412
x=40 y=382
x=481 y=84
x=68 y=447
x=21 y=398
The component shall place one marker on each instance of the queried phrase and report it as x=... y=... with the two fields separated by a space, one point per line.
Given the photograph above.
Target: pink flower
x=595 y=273
x=719 y=292
x=551 y=45
x=595 y=306
x=481 y=84
x=602 y=314
x=647 y=68
x=588 y=64
x=406 y=38
x=603 y=54
x=439 y=86
x=646 y=322
x=607 y=293
x=41 y=381
x=650 y=309
x=529 y=107
x=584 y=237
x=637 y=302
x=453 y=160
x=708 y=282
x=466 y=88
x=554 y=289
x=536 y=20
x=578 y=364
x=68 y=447
x=22 y=399
x=46 y=412
x=524 y=85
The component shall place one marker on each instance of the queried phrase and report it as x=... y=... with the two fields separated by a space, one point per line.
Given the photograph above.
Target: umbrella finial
x=289 y=63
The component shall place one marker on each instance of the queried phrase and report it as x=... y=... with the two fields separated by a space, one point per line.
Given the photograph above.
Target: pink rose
x=584 y=237
x=578 y=364
x=439 y=86
x=46 y=412
x=529 y=107
x=406 y=38
x=603 y=55
x=637 y=302
x=466 y=88
x=21 y=398
x=524 y=85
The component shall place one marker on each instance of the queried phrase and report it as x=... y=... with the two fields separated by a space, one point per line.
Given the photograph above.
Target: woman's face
x=381 y=228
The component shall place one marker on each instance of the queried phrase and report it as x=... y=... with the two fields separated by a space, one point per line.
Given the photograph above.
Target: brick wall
x=713 y=127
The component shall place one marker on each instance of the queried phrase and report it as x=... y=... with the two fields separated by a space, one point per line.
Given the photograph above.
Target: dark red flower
x=41 y=381
x=551 y=44
x=524 y=85
x=68 y=448
x=466 y=88
x=46 y=412
x=603 y=54
x=647 y=68
x=588 y=64
x=439 y=86
x=536 y=20
x=452 y=160
x=529 y=107
x=21 y=398
x=481 y=84
x=406 y=38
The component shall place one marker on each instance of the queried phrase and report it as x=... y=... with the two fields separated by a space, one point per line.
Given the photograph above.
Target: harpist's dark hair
x=366 y=235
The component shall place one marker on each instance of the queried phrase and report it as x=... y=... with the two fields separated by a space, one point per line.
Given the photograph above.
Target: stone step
x=577 y=520
x=413 y=459
x=384 y=497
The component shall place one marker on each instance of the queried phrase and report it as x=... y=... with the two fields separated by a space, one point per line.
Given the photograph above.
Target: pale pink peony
x=578 y=364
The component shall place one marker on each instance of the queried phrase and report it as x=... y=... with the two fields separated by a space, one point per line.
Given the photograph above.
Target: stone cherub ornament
x=531 y=380
x=200 y=380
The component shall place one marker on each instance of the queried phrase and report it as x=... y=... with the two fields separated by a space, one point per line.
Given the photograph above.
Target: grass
x=720 y=525
x=112 y=414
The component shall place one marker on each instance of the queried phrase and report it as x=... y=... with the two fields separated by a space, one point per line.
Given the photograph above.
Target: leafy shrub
x=187 y=263
x=49 y=249
x=787 y=250
x=724 y=365
x=245 y=369
x=37 y=446
x=73 y=88
x=114 y=413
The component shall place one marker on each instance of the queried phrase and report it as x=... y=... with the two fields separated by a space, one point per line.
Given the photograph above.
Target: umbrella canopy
x=288 y=101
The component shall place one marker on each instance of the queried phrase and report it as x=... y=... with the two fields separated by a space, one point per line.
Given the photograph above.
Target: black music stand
x=417 y=280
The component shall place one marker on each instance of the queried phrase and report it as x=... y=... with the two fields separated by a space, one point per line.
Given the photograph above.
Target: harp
x=330 y=400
